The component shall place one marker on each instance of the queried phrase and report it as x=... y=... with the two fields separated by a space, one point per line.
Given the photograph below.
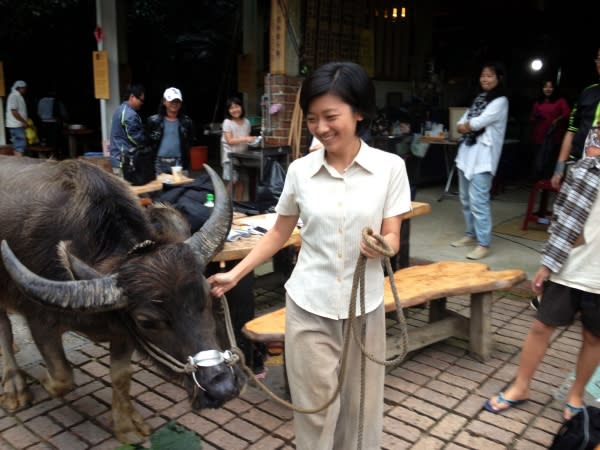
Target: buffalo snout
x=221 y=383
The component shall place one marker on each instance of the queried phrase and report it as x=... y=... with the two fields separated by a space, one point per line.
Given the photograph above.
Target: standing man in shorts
x=16 y=117
x=568 y=281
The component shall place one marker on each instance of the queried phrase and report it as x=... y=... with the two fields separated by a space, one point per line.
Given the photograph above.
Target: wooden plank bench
x=41 y=151
x=417 y=285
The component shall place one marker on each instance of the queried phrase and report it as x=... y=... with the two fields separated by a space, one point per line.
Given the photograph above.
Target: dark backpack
x=138 y=165
x=581 y=432
x=190 y=199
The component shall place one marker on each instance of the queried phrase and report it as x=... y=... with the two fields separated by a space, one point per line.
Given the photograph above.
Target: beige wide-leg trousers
x=313 y=349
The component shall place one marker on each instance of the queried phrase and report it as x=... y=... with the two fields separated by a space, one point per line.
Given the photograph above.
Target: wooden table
x=255 y=158
x=73 y=134
x=238 y=249
x=451 y=165
x=157 y=184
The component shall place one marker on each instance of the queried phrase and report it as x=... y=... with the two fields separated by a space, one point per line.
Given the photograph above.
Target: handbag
x=31 y=134
x=138 y=165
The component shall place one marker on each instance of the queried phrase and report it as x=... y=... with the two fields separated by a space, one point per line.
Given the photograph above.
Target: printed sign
x=101 y=75
x=278 y=34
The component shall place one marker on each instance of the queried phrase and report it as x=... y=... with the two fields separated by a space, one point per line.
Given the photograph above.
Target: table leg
x=450 y=170
x=72 y=146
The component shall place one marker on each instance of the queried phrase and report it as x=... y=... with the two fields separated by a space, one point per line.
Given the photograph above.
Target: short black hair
x=137 y=90
x=348 y=81
x=233 y=101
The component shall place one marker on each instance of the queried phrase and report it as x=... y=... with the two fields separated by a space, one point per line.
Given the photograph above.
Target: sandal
x=572 y=411
x=501 y=400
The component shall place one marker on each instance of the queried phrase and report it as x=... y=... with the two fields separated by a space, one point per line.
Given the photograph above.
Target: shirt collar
x=363 y=158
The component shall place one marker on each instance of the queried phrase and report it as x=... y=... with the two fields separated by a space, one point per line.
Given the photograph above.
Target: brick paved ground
x=433 y=400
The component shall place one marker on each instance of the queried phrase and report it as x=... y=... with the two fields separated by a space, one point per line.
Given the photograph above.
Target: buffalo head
x=159 y=294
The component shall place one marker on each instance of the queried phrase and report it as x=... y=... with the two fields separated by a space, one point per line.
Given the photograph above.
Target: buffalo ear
x=150 y=318
x=78 y=270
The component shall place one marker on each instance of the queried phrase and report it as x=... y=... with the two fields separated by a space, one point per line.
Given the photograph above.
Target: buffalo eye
x=150 y=318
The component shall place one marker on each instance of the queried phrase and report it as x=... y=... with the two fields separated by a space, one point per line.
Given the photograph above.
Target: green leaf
x=175 y=437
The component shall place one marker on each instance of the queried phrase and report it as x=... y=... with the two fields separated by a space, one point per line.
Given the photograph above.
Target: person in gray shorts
x=568 y=282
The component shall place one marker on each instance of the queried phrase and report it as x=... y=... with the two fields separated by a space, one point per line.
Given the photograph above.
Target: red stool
x=543 y=186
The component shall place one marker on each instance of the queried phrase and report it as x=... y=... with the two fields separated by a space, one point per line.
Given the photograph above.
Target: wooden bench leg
x=480 y=325
x=437 y=310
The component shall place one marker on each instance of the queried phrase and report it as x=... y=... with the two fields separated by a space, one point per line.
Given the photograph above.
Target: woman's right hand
x=540 y=277
x=220 y=283
x=555 y=180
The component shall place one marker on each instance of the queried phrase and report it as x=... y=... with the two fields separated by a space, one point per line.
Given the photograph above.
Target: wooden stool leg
x=530 y=206
x=437 y=310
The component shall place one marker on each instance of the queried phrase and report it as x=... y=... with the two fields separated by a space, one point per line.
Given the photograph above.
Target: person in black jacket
x=583 y=116
x=170 y=133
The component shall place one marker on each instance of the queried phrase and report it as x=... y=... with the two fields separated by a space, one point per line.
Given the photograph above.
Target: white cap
x=172 y=94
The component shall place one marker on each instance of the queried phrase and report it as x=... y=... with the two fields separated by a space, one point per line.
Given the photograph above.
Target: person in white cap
x=170 y=133
x=16 y=116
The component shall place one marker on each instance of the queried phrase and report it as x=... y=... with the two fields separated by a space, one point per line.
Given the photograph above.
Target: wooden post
x=295 y=134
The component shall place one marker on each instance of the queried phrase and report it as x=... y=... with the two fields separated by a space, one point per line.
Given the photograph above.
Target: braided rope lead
x=358 y=284
x=359 y=274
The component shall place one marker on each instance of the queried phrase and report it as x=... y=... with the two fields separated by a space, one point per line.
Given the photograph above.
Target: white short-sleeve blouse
x=334 y=208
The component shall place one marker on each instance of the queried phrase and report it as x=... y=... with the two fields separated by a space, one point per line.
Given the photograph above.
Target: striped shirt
x=572 y=207
x=334 y=208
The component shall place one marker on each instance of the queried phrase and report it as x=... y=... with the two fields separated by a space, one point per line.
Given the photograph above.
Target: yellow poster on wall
x=101 y=76
x=2 y=89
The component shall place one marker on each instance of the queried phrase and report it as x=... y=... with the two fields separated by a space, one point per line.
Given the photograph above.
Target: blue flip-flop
x=504 y=401
x=573 y=410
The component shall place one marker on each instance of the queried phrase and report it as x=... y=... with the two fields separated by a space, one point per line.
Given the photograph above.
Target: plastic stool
x=543 y=187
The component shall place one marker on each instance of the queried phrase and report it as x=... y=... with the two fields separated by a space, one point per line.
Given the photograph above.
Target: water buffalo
x=124 y=277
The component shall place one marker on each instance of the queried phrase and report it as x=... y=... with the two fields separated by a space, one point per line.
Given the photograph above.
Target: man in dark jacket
x=582 y=117
x=127 y=130
x=170 y=133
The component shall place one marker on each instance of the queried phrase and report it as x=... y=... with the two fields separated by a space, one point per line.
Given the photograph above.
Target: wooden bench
x=39 y=150
x=417 y=285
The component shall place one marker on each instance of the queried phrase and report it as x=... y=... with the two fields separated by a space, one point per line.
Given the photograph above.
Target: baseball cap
x=172 y=94
x=19 y=84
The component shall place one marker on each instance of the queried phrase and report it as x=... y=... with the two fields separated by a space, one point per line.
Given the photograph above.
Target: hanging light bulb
x=403 y=12
x=394 y=14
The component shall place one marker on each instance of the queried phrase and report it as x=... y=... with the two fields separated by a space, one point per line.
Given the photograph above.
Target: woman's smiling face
x=333 y=122
x=488 y=79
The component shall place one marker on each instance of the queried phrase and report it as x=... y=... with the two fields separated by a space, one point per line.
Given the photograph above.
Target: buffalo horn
x=100 y=294
x=208 y=239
